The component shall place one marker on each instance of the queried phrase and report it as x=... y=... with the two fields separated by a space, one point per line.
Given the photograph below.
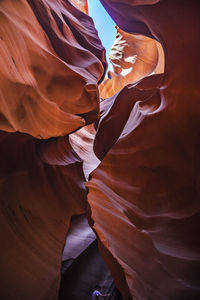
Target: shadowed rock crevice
x=82 y=274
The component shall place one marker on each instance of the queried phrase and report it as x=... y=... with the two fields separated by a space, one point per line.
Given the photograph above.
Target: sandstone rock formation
x=80 y=4
x=133 y=57
x=142 y=147
x=51 y=61
x=147 y=185
x=37 y=202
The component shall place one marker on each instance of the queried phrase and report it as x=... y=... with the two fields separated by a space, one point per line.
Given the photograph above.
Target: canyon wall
x=144 y=196
x=51 y=63
x=134 y=168
x=133 y=57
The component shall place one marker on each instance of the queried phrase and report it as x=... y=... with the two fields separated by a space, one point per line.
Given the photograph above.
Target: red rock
x=144 y=196
x=133 y=57
x=51 y=62
x=37 y=202
x=81 y=4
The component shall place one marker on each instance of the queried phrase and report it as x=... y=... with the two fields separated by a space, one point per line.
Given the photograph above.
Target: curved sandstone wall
x=136 y=163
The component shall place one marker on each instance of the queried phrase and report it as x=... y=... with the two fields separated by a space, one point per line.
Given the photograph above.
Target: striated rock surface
x=133 y=57
x=144 y=196
x=81 y=4
x=37 y=202
x=144 y=188
x=51 y=61
x=82 y=142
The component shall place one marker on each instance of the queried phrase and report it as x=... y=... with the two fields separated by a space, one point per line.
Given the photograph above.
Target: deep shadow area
x=80 y=275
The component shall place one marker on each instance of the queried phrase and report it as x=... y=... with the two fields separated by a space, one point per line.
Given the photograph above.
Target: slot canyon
x=99 y=171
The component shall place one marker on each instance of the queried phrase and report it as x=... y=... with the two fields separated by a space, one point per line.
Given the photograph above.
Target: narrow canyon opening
x=82 y=265
x=130 y=57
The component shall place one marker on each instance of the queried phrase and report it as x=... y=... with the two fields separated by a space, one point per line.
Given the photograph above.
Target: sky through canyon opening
x=104 y=25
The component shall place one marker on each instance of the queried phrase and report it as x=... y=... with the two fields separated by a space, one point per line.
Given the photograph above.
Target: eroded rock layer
x=133 y=57
x=51 y=61
x=144 y=189
x=81 y=4
x=37 y=202
x=144 y=196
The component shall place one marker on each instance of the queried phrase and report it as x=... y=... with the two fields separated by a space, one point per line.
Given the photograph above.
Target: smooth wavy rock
x=81 y=4
x=133 y=57
x=82 y=142
x=144 y=196
x=79 y=237
x=37 y=202
x=51 y=61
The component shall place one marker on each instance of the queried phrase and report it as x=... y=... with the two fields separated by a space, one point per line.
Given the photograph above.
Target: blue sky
x=104 y=24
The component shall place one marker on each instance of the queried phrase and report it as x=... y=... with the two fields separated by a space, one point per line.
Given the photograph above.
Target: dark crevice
x=81 y=273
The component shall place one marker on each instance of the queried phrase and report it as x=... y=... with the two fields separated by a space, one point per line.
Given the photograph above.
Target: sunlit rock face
x=144 y=196
x=133 y=57
x=82 y=142
x=81 y=4
x=51 y=61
